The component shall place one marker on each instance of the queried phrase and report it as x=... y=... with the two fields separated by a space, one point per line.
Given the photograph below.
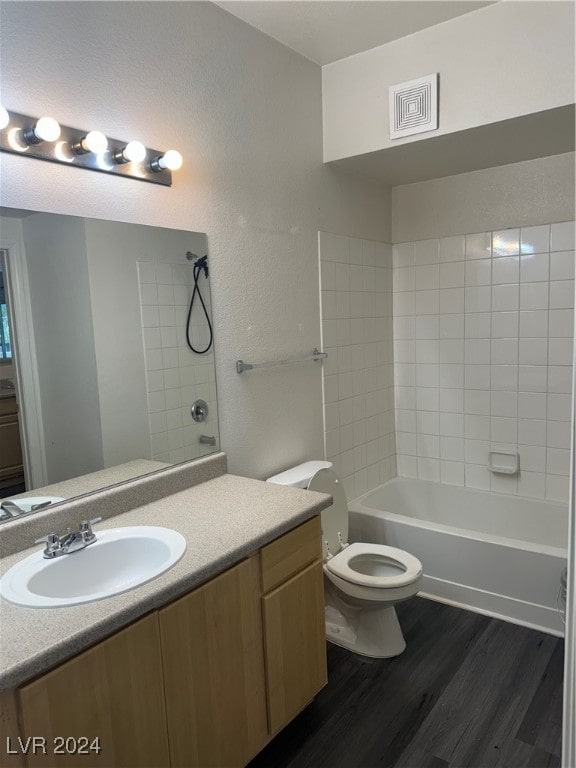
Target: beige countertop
x=223 y=520
x=93 y=481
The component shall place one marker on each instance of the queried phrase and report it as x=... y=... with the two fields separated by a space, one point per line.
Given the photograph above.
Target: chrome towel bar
x=316 y=355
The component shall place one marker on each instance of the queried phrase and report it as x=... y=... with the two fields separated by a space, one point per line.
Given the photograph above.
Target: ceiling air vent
x=413 y=106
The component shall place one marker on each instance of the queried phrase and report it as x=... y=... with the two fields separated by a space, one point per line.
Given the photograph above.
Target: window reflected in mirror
x=5 y=343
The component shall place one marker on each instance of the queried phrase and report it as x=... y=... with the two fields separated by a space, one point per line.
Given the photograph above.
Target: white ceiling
x=327 y=30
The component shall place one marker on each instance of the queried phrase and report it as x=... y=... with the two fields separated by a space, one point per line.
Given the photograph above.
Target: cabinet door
x=295 y=642
x=10 y=447
x=214 y=671
x=114 y=691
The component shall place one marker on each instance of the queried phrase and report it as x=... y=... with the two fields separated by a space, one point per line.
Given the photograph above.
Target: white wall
x=57 y=265
x=502 y=61
x=246 y=114
x=534 y=192
x=356 y=293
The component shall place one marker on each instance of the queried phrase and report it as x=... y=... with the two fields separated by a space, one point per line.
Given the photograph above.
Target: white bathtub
x=489 y=552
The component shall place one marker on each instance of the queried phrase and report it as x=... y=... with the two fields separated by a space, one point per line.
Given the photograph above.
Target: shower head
x=202 y=264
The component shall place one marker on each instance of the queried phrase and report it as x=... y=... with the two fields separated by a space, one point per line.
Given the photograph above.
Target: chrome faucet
x=71 y=541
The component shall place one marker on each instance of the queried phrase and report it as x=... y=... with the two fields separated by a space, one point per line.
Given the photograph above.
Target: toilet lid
x=335 y=518
x=375 y=565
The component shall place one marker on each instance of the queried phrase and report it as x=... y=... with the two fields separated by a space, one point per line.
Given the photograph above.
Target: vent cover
x=413 y=106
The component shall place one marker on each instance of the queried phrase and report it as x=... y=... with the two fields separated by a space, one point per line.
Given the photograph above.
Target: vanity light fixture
x=4 y=117
x=44 y=139
x=95 y=142
x=44 y=129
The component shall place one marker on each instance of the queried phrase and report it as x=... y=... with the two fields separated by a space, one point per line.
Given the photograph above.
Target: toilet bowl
x=362 y=581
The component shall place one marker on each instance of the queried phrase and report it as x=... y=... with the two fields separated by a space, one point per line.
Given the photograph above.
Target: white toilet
x=362 y=582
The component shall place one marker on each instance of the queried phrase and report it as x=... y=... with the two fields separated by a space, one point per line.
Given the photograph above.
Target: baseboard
x=540 y=617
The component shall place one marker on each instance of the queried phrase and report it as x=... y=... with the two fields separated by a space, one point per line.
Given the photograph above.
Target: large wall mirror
x=106 y=352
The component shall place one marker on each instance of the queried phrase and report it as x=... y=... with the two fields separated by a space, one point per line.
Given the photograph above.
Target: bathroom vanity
x=10 y=447
x=199 y=667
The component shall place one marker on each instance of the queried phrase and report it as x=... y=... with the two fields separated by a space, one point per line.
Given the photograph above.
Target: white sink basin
x=120 y=559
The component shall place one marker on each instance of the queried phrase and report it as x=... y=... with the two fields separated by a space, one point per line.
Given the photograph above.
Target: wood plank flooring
x=468 y=692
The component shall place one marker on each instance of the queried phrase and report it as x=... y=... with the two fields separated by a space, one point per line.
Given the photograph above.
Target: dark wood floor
x=468 y=692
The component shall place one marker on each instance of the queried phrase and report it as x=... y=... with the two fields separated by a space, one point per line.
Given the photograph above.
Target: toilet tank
x=300 y=476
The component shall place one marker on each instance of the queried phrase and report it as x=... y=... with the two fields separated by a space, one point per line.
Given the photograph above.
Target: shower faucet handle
x=199 y=410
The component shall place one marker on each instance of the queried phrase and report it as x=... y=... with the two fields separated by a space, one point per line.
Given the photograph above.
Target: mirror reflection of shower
x=11 y=461
x=199 y=335
x=178 y=376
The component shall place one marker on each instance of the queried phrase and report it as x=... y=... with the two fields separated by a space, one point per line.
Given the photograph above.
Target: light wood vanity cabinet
x=293 y=617
x=213 y=660
x=10 y=447
x=204 y=682
x=113 y=691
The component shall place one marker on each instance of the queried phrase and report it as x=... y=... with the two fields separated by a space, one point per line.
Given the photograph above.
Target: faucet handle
x=86 y=528
x=85 y=525
x=53 y=544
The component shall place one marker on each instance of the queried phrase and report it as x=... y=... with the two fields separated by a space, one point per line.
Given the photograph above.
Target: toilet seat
x=342 y=565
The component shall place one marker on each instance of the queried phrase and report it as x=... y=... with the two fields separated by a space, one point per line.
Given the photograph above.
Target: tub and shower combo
x=494 y=553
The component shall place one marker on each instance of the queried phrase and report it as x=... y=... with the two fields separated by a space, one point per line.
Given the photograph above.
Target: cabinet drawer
x=287 y=555
x=8 y=406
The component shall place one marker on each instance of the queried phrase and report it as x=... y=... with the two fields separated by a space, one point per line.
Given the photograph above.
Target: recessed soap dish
x=504 y=462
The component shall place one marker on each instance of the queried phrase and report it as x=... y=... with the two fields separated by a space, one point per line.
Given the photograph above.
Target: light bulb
x=172 y=160
x=4 y=117
x=95 y=142
x=47 y=129
x=134 y=152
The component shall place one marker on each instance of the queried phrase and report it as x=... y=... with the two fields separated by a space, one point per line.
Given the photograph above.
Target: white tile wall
x=483 y=344
x=356 y=307
x=175 y=376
